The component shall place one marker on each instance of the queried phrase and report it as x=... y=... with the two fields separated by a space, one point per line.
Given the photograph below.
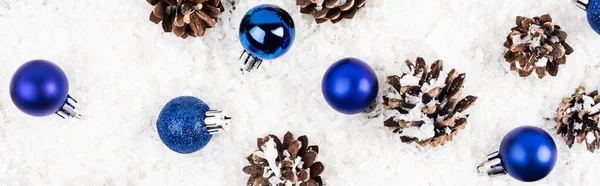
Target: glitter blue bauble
x=39 y=88
x=593 y=14
x=181 y=125
x=528 y=153
x=267 y=31
x=350 y=86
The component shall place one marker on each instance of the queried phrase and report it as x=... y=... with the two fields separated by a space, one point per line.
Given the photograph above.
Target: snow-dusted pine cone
x=334 y=10
x=422 y=105
x=577 y=119
x=186 y=17
x=531 y=41
x=292 y=162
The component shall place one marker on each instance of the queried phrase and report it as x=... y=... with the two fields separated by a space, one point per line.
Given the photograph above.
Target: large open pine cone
x=534 y=39
x=577 y=119
x=334 y=10
x=424 y=106
x=289 y=163
x=186 y=17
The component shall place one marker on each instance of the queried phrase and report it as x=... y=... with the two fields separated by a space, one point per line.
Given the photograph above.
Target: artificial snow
x=122 y=69
x=589 y=137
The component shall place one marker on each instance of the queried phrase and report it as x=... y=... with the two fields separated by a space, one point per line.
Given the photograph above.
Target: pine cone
x=534 y=39
x=289 y=163
x=334 y=10
x=577 y=119
x=424 y=106
x=186 y=17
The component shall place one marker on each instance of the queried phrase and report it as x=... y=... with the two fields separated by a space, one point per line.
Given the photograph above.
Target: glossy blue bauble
x=528 y=153
x=350 y=86
x=593 y=14
x=181 y=125
x=267 y=31
x=39 y=88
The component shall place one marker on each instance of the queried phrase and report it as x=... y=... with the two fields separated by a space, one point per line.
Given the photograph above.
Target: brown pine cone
x=334 y=10
x=280 y=163
x=577 y=119
x=186 y=17
x=534 y=39
x=424 y=105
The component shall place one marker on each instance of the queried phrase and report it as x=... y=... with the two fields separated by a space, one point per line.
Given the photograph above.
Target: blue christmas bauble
x=350 y=86
x=181 y=125
x=593 y=14
x=39 y=88
x=528 y=153
x=267 y=31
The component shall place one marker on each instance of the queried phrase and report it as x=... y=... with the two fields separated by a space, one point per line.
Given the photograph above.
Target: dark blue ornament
x=593 y=13
x=40 y=88
x=266 y=32
x=186 y=124
x=350 y=86
x=526 y=153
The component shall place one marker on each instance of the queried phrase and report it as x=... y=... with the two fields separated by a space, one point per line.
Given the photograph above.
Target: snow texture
x=123 y=69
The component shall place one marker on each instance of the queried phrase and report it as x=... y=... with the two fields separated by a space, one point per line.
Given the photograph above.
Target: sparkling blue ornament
x=186 y=124
x=350 y=86
x=40 y=88
x=593 y=12
x=526 y=153
x=266 y=32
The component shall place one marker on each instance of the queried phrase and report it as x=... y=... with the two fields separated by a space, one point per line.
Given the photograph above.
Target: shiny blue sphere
x=181 y=125
x=528 y=153
x=39 y=88
x=350 y=86
x=267 y=31
x=593 y=14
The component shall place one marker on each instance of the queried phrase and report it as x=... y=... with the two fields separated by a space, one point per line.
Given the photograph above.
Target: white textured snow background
x=123 y=69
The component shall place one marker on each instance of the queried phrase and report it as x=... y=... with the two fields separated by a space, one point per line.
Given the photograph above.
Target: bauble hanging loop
x=186 y=124
x=593 y=12
x=526 y=153
x=350 y=86
x=266 y=32
x=41 y=88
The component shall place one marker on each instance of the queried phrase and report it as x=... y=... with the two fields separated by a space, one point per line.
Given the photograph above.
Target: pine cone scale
x=160 y=9
x=153 y=2
x=332 y=3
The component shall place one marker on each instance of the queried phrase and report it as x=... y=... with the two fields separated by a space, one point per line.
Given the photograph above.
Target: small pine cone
x=577 y=119
x=531 y=41
x=186 y=17
x=334 y=10
x=423 y=106
x=294 y=162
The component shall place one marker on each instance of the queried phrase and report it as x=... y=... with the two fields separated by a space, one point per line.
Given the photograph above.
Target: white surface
x=123 y=69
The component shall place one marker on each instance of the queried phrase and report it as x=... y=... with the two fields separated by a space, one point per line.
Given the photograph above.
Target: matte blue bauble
x=39 y=88
x=593 y=14
x=181 y=125
x=528 y=153
x=350 y=86
x=267 y=32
